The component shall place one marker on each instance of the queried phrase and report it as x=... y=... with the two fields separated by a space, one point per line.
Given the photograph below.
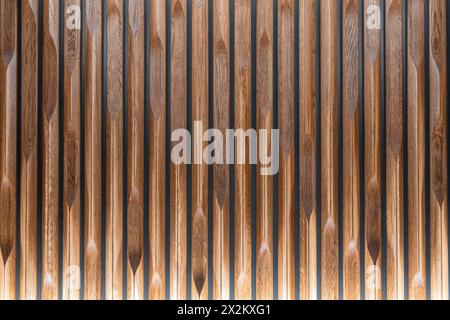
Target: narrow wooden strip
x=351 y=169
x=28 y=194
x=264 y=184
x=114 y=152
x=438 y=151
x=157 y=266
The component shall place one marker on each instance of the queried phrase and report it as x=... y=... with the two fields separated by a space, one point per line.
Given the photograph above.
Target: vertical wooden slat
x=93 y=156
x=157 y=220
x=394 y=152
x=438 y=152
x=351 y=172
x=8 y=152
x=200 y=94
x=114 y=152
x=221 y=202
x=50 y=150
x=264 y=184
x=372 y=118
x=329 y=158
x=28 y=194
x=416 y=151
x=308 y=140
x=178 y=172
x=135 y=183
x=243 y=211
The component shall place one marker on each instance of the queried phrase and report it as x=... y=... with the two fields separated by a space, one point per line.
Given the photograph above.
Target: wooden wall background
x=91 y=207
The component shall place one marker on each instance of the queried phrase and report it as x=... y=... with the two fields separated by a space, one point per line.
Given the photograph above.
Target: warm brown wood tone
x=114 y=152
x=308 y=146
x=438 y=152
x=329 y=158
x=135 y=168
x=394 y=152
x=264 y=184
x=93 y=153
x=28 y=177
x=178 y=172
x=8 y=148
x=243 y=204
x=351 y=165
x=286 y=272
x=416 y=151
x=157 y=179
x=221 y=202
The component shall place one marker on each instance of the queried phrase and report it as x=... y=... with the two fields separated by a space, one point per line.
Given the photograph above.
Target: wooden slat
x=416 y=151
x=28 y=194
x=50 y=150
x=308 y=146
x=221 y=202
x=243 y=205
x=395 y=254
x=157 y=179
x=329 y=160
x=8 y=152
x=351 y=169
x=264 y=184
x=114 y=152
x=200 y=95
x=93 y=155
x=178 y=172
x=438 y=152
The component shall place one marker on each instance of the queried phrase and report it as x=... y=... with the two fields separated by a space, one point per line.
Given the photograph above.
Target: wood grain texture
x=395 y=253
x=50 y=150
x=135 y=168
x=350 y=136
x=178 y=172
x=439 y=289
x=157 y=179
x=264 y=184
x=308 y=146
x=200 y=115
x=221 y=202
x=243 y=205
x=416 y=151
x=93 y=153
x=114 y=151
x=329 y=149
x=8 y=148
x=29 y=169
x=286 y=268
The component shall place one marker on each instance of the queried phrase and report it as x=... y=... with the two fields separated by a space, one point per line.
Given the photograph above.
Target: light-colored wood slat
x=200 y=116
x=350 y=150
x=135 y=169
x=71 y=199
x=157 y=179
x=286 y=255
x=8 y=152
x=438 y=152
x=372 y=120
x=243 y=204
x=329 y=157
x=114 y=152
x=93 y=153
x=178 y=172
x=221 y=202
x=416 y=151
x=395 y=254
x=28 y=177
x=308 y=146
x=264 y=184
x=50 y=150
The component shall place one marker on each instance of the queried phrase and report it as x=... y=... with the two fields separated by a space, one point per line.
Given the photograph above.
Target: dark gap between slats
x=125 y=149
x=275 y=126
x=146 y=146
x=189 y=166
x=296 y=148
x=383 y=153
x=340 y=158
x=104 y=97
